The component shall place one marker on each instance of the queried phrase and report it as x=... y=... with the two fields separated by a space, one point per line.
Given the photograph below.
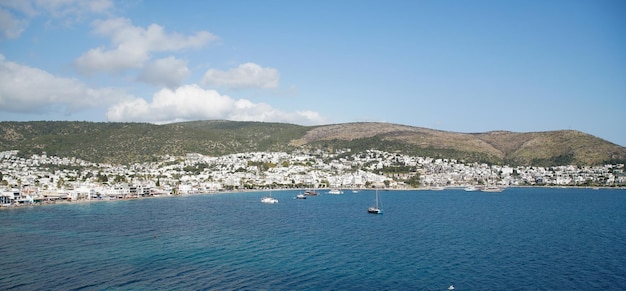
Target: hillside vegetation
x=123 y=143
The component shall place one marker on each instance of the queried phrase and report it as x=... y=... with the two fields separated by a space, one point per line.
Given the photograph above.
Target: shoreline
x=84 y=201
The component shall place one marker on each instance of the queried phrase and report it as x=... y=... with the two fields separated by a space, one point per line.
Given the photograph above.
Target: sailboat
x=493 y=188
x=311 y=192
x=376 y=208
x=269 y=199
x=489 y=187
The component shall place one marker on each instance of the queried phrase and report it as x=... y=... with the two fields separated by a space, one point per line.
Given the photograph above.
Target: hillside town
x=41 y=179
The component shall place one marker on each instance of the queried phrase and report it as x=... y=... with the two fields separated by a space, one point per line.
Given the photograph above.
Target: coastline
x=84 y=201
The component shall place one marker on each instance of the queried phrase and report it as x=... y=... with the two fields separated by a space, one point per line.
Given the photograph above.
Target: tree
x=102 y=178
x=413 y=181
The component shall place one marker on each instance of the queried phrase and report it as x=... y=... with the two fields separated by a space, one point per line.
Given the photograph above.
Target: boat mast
x=377 y=199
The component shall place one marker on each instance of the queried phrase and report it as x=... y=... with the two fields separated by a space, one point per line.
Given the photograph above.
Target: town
x=41 y=179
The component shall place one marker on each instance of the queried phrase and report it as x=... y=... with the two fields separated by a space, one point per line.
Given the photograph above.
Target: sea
x=518 y=239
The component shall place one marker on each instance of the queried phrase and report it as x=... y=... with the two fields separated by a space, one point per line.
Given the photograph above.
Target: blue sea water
x=520 y=239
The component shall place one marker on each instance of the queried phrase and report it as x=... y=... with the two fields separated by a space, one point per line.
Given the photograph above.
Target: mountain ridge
x=136 y=142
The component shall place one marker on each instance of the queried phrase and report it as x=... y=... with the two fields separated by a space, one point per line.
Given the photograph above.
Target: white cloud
x=168 y=72
x=15 y=15
x=64 y=8
x=10 y=27
x=112 y=61
x=248 y=75
x=190 y=102
x=132 y=45
x=187 y=102
x=25 y=89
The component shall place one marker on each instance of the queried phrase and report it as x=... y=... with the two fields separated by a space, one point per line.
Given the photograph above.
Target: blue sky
x=462 y=66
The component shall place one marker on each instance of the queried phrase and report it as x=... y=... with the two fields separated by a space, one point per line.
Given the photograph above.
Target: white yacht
x=471 y=188
x=335 y=191
x=377 y=207
x=269 y=199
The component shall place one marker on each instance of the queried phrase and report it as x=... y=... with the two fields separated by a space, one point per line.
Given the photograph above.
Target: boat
x=300 y=196
x=376 y=208
x=335 y=191
x=492 y=189
x=471 y=188
x=311 y=193
x=269 y=199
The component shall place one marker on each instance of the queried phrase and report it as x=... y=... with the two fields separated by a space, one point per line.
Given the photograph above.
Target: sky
x=461 y=66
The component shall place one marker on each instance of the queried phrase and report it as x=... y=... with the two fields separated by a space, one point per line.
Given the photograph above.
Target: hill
x=137 y=142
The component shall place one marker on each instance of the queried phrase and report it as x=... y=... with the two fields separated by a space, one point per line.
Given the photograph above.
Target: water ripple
x=521 y=239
